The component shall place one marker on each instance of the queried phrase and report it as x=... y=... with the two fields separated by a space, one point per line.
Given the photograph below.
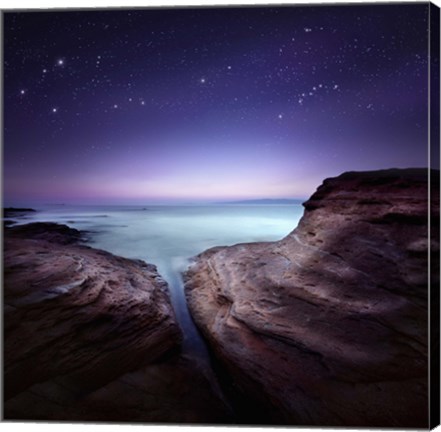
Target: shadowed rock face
x=329 y=325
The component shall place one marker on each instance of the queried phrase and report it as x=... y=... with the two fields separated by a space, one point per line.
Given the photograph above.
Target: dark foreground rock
x=329 y=325
x=92 y=336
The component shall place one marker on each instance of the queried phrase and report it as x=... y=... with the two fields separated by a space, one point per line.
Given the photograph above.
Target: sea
x=170 y=236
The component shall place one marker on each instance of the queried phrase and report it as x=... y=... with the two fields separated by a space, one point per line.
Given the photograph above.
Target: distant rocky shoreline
x=11 y=211
x=14 y=212
x=326 y=327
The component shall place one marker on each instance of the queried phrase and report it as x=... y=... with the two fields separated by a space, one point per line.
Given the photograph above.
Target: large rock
x=90 y=336
x=75 y=319
x=48 y=231
x=329 y=325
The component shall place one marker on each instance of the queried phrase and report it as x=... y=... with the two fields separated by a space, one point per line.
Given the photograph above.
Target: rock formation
x=92 y=336
x=328 y=327
x=15 y=213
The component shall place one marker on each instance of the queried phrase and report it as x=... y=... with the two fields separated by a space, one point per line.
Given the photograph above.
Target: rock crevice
x=90 y=336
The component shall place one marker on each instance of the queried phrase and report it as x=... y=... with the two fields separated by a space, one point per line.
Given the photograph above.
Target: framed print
x=222 y=215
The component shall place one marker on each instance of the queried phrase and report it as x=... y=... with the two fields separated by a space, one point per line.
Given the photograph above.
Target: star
x=137 y=61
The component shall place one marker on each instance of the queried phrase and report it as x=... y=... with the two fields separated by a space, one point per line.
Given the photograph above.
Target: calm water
x=168 y=236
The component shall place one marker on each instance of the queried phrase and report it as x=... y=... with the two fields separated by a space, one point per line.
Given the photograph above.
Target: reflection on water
x=168 y=236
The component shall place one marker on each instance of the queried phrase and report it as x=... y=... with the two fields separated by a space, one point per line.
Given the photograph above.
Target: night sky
x=186 y=105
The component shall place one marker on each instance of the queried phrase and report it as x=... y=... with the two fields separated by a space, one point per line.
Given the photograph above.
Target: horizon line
x=30 y=203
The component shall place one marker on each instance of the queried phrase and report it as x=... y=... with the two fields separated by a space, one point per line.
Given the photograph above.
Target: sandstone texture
x=90 y=336
x=77 y=320
x=78 y=313
x=329 y=325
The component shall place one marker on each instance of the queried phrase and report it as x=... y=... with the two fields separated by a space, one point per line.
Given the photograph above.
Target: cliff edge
x=328 y=326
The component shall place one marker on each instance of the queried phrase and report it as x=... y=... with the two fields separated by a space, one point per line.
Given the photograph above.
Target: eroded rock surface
x=329 y=325
x=92 y=336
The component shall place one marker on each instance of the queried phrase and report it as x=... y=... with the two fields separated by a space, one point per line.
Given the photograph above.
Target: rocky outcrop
x=15 y=213
x=76 y=318
x=329 y=325
x=90 y=336
x=47 y=231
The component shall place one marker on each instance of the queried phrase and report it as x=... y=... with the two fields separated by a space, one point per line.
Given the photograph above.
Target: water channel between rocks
x=168 y=236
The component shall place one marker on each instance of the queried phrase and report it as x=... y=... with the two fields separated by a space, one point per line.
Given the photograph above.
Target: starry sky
x=188 y=105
